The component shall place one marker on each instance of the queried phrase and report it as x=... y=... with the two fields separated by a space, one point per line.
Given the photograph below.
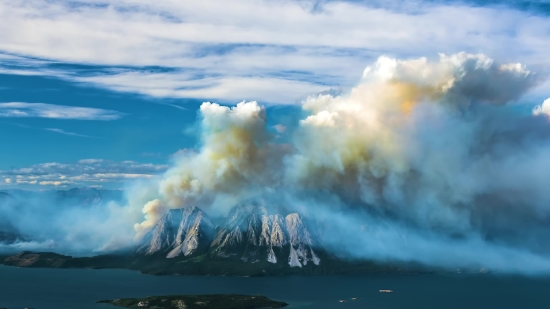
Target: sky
x=98 y=93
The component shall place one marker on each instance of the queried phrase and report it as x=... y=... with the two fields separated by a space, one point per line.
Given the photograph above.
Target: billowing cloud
x=43 y=110
x=426 y=154
x=543 y=109
x=232 y=160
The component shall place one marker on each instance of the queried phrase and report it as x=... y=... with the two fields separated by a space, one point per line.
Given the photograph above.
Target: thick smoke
x=44 y=221
x=431 y=151
x=234 y=160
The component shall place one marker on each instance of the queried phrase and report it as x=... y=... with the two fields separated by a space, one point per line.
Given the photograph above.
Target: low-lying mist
x=77 y=221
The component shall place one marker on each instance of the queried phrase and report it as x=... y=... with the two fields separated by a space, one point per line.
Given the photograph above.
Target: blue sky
x=102 y=92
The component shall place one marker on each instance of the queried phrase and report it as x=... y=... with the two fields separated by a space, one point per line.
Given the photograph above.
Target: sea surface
x=81 y=288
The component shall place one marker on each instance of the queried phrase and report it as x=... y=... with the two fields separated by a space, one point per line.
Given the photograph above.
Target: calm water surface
x=80 y=288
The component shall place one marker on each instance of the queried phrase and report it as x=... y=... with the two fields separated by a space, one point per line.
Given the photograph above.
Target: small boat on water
x=342 y=301
x=354 y=298
x=386 y=291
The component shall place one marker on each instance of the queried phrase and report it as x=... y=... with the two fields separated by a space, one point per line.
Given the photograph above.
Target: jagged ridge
x=249 y=232
x=177 y=233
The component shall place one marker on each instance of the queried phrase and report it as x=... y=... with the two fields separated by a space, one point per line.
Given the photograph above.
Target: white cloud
x=121 y=175
x=543 y=109
x=43 y=110
x=28 y=182
x=280 y=128
x=272 y=51
x=231 y=88
x=86 y=172
x=52 y=183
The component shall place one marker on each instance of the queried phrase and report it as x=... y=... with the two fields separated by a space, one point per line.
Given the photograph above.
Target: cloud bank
x=425 y=160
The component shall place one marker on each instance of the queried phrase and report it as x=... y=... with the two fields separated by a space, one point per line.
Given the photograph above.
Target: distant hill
x=71 y=197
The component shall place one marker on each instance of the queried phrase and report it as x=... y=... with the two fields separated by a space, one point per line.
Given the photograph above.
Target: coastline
x=153 y=265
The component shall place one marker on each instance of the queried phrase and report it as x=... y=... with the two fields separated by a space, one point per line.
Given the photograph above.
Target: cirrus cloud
x=53 y=111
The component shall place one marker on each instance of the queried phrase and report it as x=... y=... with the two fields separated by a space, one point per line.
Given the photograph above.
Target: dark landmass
x=217 y=301
x=206 y=265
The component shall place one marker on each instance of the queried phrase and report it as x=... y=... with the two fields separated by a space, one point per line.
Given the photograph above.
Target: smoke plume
x=431 y=150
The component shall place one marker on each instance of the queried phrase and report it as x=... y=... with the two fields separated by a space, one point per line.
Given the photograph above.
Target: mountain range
x=254 y=238
x=249 y=233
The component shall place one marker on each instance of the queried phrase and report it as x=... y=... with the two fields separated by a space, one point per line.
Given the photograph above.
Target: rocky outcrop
x=41 y=259
x=179 y=232
x=193 y=228
x=254 y=234
x=250 y=233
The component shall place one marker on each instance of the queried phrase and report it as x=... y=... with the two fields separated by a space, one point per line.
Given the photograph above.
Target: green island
x=214 y=301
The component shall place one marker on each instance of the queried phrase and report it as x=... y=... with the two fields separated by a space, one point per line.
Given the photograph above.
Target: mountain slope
x=250 y=233
x=253 y=234
x=179 y=232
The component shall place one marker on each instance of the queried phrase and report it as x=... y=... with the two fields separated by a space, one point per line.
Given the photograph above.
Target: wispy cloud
x=43 y=110
x=268 y=89
x=90 y=161
x=152 y=154
x=209 y=52
x=61 y=131
x=176 y=106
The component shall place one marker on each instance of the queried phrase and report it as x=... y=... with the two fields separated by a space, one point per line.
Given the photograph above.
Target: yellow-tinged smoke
x=232 y=159
x=369 y=144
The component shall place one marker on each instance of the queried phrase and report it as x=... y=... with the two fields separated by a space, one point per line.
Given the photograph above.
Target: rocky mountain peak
x=254 y=233
x=251 y=232
x=177 y=233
